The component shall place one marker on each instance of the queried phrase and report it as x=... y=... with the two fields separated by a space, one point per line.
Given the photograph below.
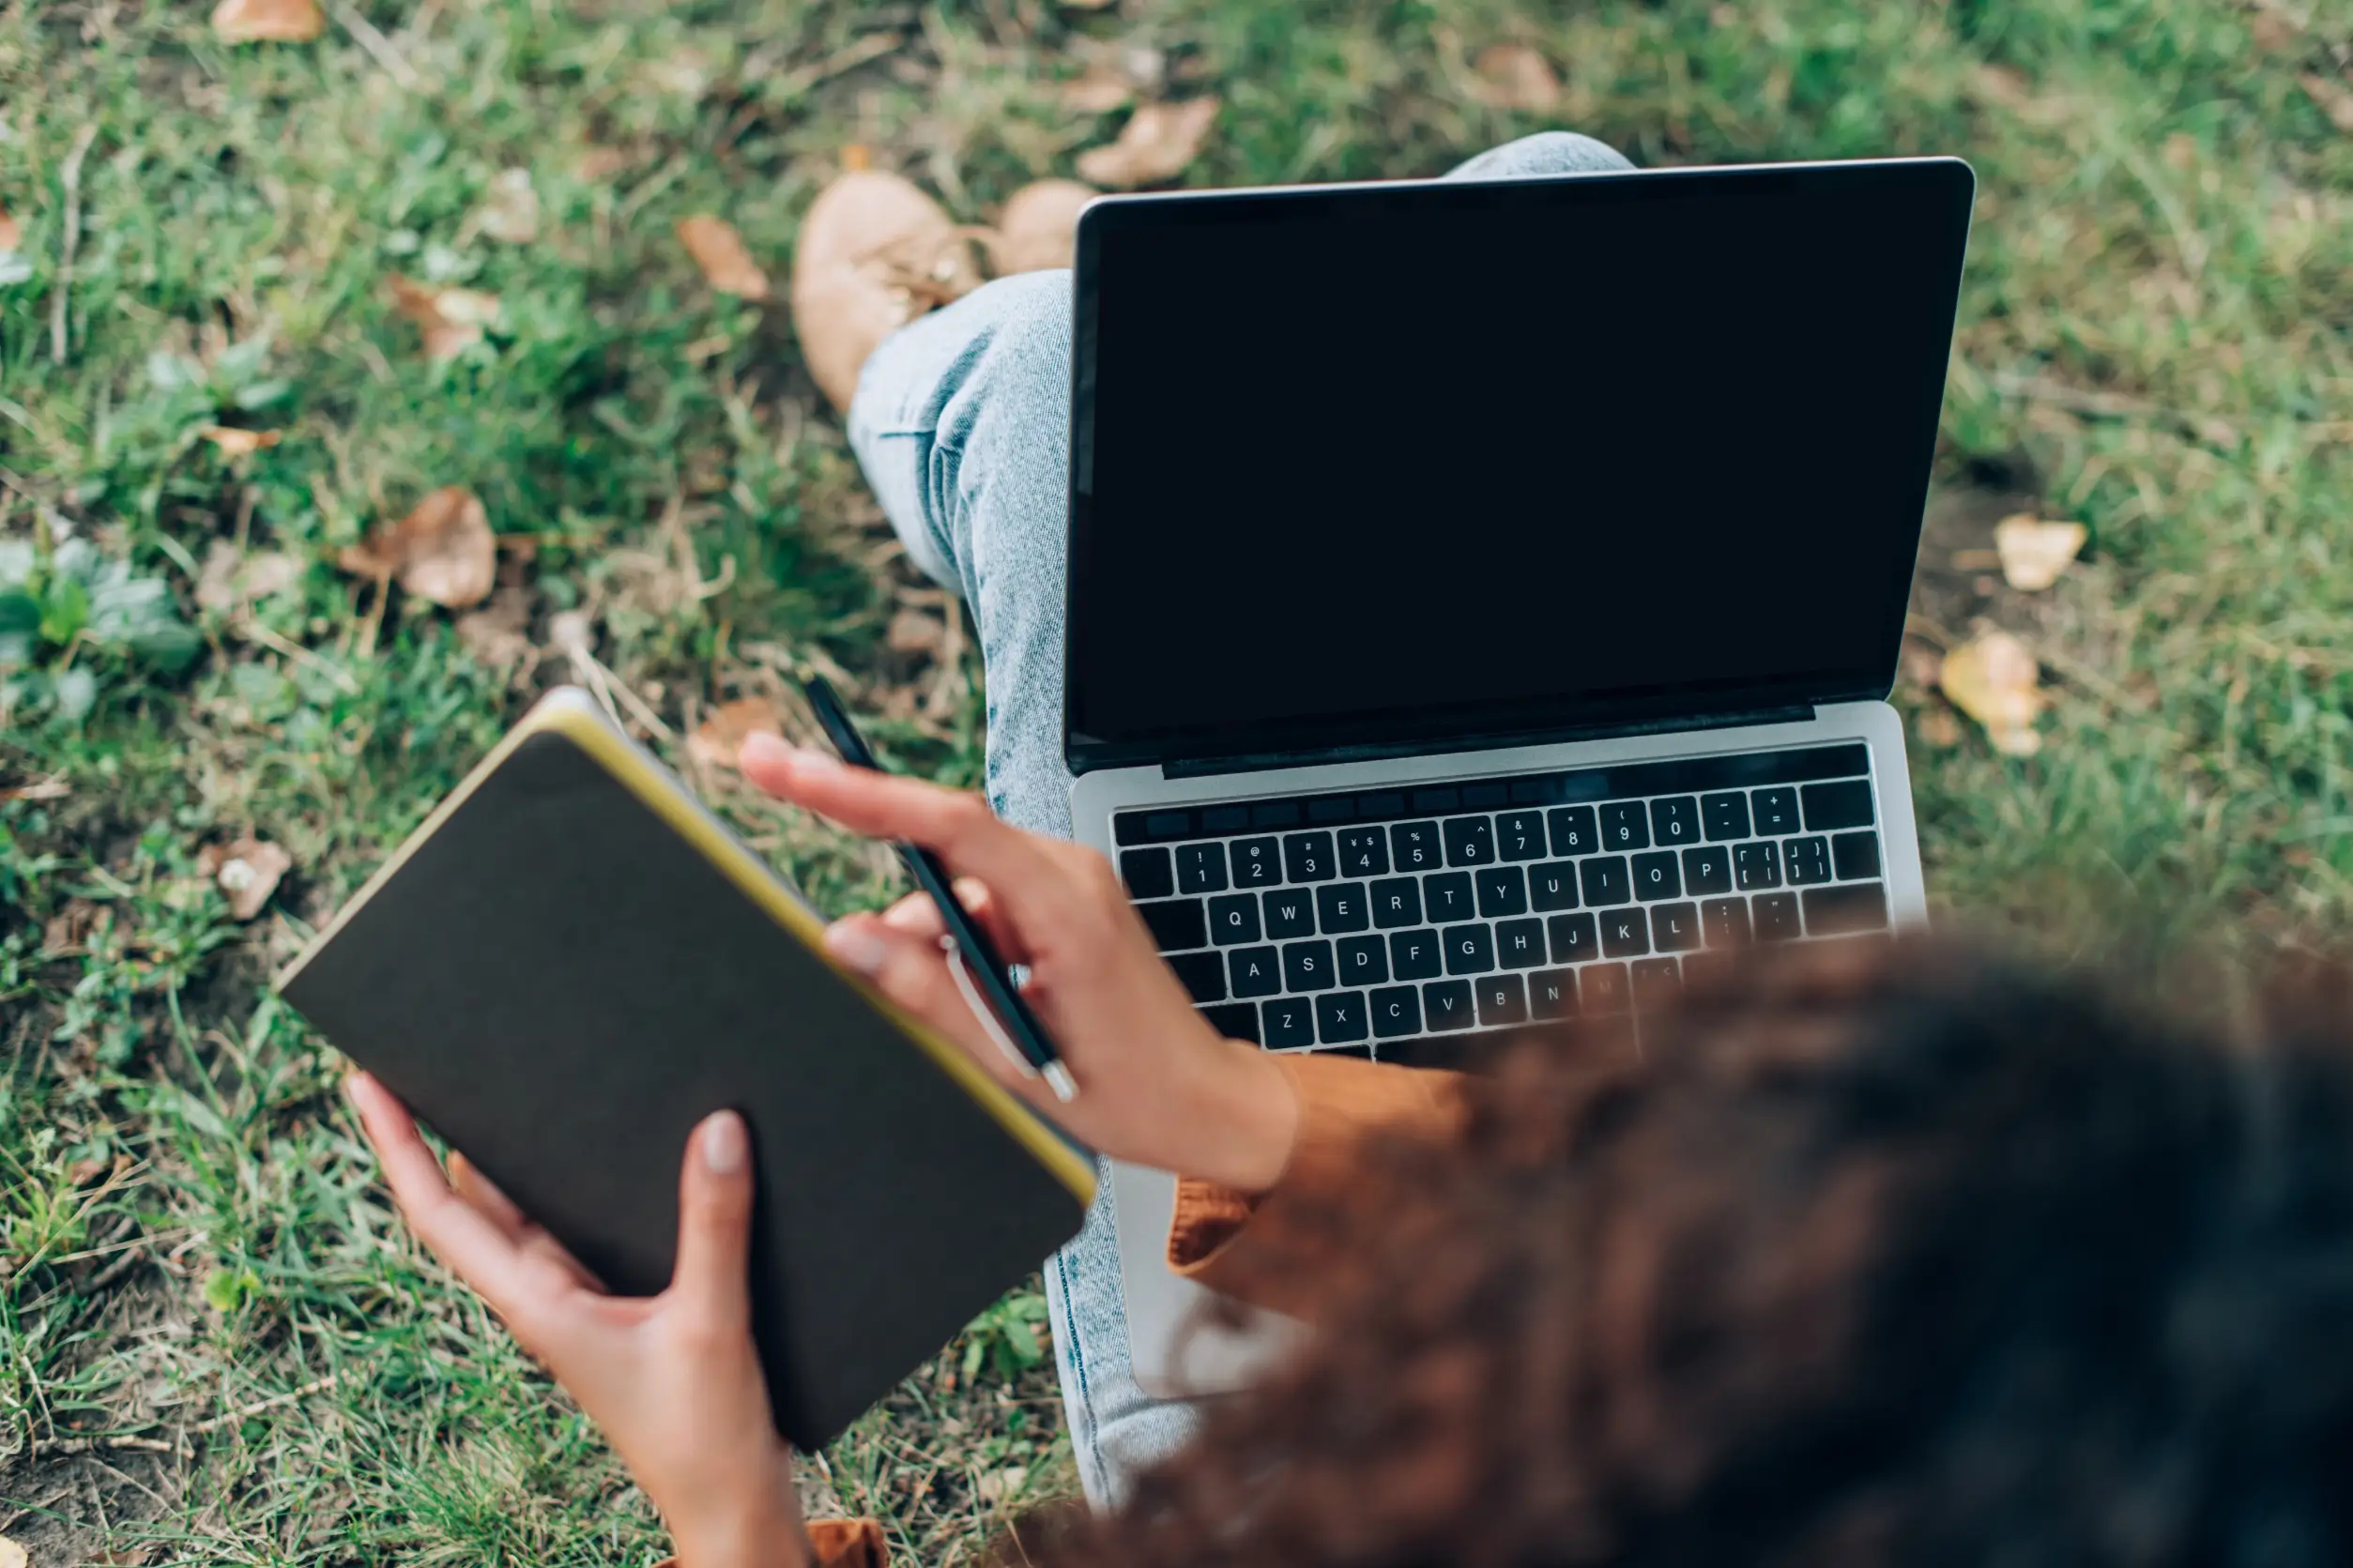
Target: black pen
x=1004 y=1013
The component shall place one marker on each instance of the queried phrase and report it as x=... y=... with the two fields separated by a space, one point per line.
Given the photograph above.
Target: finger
x=918 y=916
x=955 y=824
x=913 y=974
x=531 y=1238
x=712 y=1283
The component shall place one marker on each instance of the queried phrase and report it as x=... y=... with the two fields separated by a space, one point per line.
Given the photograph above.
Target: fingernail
x=806 y=760
x=857 y=947
x=725 y=1146
x=762 y=744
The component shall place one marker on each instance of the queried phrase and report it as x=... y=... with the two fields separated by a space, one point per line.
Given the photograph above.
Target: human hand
x=673 y=1380
x=1156 y=1085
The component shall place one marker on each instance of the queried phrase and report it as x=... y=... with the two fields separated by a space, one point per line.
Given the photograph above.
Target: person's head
x=1900 y=1257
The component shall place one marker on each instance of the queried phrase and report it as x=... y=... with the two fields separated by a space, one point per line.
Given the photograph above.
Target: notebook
x=572 y=963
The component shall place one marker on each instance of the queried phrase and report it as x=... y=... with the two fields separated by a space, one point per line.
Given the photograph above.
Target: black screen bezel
x=1948 y=185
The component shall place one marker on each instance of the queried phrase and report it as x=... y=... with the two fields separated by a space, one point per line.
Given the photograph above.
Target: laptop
x=1483 y=600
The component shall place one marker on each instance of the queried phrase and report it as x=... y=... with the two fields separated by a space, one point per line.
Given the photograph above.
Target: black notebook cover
x=572 y=963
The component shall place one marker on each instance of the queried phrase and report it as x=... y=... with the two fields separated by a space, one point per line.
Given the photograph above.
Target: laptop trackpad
x=1177 y=1353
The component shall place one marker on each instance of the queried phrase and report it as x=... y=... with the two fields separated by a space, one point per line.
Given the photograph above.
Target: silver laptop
x=1484 y=596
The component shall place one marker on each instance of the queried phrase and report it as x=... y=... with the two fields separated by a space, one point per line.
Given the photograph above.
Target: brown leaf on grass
x=2033 y=552
x=1994 y=679
x=721 y=735
x=1156 y=144
x=1039 y=227
x=2334 y=98
x=1938 y=727
x=246 y=872
x=71 y=928
x=509 y=212
x=240 y=442
x=443 y=550
x=11 y=231
x=1513 y=76
x=913 y=632
x=1099 y=91
x=268 y=20
x=720 y=251
x=230 y=580
x=12 y=1555
x=450 y=319
x=598 y=164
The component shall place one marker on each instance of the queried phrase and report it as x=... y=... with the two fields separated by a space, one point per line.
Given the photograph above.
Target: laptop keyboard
x=1402 y=925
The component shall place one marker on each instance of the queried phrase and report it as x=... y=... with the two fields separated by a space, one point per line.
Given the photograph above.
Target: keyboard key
x=1177 y=923
x=1726 y=815
x=1235 y=1022
x=1203 y=973
x=1147 y=873
x=1308 y=858
x=1469 y=949
x=1486 y=793
x=1575 y=938
x=1775 y=810
x=1552 y=885
x=1806 y=860
x=1503 y=890
x=1414 y=846
x=1520 y=835
x=1397 y=1012
x=1657 y=874
x=1625 y=933
x=1604 y=881
x=1470 y=840
x=1225 y=819
x=1308 y=966
x=1255 y=861
x=1707 y=870
x=1674 y=820
x=1447 y=896
x=1656 y=982
x=1502 y=999
x=1364 y=961
x=1854 y=856
x=1288 y=1023
x=1289 y=913
x=1341 y=1018
x=1624 y=825
x=1675 y=927
x=1234 y=919
x=1202 y=868
x=1572 y=831
x=1364 y=852
x=1840 y=911
x=1552 y=993
x=1756 y=865
x=1602 y=988
x=1397 y=902
x=1776 y=915
x=1844 y=803
x=1519 y=944
x=1725 y=923
x=1413 y=954
x=1254 y=972
x=1446 y=1005
x=1341 y=907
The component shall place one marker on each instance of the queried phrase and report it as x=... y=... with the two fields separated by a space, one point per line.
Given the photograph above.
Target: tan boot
x=1039 y=226
x=874 y=254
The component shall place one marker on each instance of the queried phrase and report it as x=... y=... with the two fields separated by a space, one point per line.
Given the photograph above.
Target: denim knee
x=1547 y=152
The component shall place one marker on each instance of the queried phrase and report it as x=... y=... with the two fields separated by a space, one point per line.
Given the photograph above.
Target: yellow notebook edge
x=574 y=714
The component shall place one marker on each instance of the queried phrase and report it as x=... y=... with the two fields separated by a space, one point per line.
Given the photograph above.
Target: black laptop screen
x=1388 y=465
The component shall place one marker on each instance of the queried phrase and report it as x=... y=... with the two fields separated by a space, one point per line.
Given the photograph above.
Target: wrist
x=1249 y=1118
x=764 y=1531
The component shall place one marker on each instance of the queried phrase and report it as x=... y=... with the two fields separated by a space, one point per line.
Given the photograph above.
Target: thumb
x=711 y=1281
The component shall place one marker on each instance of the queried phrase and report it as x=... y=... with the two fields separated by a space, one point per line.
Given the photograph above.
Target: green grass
x=2153 y=342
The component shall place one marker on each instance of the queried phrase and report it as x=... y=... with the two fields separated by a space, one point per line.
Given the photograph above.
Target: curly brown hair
x=1911 y=1256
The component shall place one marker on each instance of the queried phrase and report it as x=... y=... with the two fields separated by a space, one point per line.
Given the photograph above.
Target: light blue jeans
x=962 y=424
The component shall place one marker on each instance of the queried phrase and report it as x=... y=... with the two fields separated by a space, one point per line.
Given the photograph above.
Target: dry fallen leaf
x=246 y=872
x=229 y=580
x=240 y=442
x=720 y=251
x=510 y=209
x=268 y=20
x=443 y=550
x=451 y=319
x=1156 y=144
x=1993 y=679
x=913 y=632
x=1938 y=727
x=2033 y=552
x=719 y=738
x=598 y=164
x=12 y=1555
x=1098 y=92
x=11 y=231
x=2334 y=98
x=1513 y=76
x=71 y=928
x=1039 y=227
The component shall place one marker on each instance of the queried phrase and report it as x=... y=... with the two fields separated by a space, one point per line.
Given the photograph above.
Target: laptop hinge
x=1261 y=762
